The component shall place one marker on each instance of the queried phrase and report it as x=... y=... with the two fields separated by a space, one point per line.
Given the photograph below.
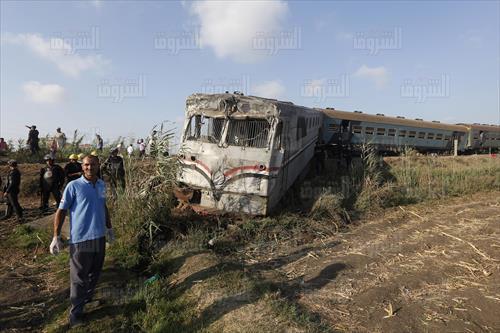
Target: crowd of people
x=53 y=178
x=58 y=141
x=79 y=190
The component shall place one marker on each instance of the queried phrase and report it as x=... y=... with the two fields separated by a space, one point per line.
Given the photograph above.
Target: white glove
x=56 y=245
x=110 y=235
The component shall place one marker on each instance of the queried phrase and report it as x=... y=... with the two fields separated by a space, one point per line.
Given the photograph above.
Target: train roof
x=358 y=116
x=238 y=106
x=483 y=127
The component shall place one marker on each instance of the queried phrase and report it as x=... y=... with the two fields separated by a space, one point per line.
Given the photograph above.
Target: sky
x=118 y=68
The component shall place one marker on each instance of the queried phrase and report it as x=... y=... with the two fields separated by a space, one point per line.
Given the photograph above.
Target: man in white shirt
x=60 y=138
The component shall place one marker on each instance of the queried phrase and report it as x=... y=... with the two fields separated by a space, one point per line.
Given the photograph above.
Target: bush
x=141 y=212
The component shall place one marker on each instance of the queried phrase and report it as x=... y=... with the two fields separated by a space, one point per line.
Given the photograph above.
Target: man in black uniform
x=11 y=191
x=72 y=170
x=51 y=181
x=114 y=168
x=33 y=139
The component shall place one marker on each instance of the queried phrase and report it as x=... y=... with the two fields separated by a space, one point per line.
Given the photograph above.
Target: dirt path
x=434 y=267
x=437 y=265
x=30 y=286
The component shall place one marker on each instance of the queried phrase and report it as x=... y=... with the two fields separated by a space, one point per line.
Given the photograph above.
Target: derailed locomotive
x=242 y=153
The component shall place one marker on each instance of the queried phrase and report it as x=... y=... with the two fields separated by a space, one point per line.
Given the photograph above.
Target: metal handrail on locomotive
x=242 y=153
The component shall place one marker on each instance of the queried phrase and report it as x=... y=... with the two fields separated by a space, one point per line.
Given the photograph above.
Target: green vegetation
x=375 y=183
x=191 y=273
x=28 y=238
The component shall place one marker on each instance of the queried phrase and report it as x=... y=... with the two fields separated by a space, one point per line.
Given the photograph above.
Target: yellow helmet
x=93 y=153
x=73 y=157
x=80 y=156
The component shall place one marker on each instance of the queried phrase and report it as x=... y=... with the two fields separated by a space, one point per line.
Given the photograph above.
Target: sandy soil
x=423 y=268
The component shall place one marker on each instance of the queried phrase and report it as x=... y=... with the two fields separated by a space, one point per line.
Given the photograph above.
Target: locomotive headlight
x=262 y=167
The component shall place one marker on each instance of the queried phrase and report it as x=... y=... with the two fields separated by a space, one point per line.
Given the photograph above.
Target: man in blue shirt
x=90 y=226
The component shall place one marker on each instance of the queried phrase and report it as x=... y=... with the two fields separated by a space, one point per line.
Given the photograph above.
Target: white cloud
x=378 y=75
x=231 y=27
x=313 y=86
x=43 y=93
x=58 y=52
x=269 y=89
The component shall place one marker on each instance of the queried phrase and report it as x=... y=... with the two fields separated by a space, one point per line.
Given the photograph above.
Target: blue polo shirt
x=86 y=204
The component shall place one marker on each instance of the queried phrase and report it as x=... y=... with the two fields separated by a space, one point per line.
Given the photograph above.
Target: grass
x=430 y=178
x=206 y=288
x=376 y=183
x=27 y=238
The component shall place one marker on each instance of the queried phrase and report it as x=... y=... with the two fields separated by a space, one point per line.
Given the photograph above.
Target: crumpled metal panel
x=235 y=106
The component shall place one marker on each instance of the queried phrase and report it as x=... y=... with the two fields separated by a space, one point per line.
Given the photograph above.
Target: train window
x=277 y=136
x=447 y=138
x=356 y=129
x=248 y=133
x=392 y=132
x=380 y=131
x=412 y=134
x=333 y=127
x=430 y=136
x=205 y=129
x=421 y=135
x=301 y=127
x=402 y=133
x=369 y=130
x=439 y=136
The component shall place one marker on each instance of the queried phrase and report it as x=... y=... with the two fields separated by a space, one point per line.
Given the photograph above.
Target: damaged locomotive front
x=233 y=152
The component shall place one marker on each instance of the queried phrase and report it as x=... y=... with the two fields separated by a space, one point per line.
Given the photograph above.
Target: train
x=243 y=153
x=393 y=134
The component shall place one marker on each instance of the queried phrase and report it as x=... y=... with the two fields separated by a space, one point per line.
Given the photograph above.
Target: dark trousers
x=85 y=266
x=34 y=148
x=13 y=206
x=116 y=182
x=46 y=195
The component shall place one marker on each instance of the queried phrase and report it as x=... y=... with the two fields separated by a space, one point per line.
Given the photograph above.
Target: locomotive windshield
x=204 y=129
x=248 y=133
x=244 y=133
